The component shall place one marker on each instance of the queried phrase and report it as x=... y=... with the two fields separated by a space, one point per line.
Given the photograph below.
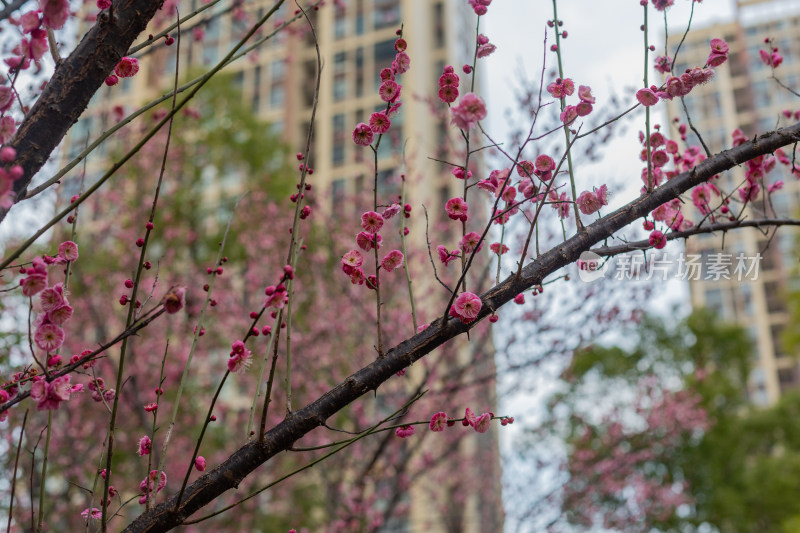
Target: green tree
x=676 y=445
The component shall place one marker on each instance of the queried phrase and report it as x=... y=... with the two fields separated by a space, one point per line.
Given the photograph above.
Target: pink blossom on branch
x=438 y=421
x=469 y=111
x=466 y=307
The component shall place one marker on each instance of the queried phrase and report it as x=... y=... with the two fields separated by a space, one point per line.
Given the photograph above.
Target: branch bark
x=246 y=459
x=75 y=80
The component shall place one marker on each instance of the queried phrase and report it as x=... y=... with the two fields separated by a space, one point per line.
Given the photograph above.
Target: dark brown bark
x=73 y=84
x=252 y=455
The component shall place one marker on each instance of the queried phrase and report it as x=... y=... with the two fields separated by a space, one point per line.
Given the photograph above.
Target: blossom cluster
x=389 y=91
x=679 y=86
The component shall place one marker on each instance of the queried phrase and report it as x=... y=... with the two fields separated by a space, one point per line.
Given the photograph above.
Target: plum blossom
x=145 y=446
x=94 y=513
x=447 y=257
x=438 y=421
x=148 y=485
x=471 y=241
x=657 y=239
x=482 y=422
x=49 y=337
x=363 y=135
x=561 y=88
x=389 y=91
x=175 y=300
x=367 y=241
x=404 y=431
x=68 y=251
x=379 y=123
x=392 y=260
x=49 y=394
x=200 y=463
x=470 y=109
x=647 y=97
x=353 y=258
x=466 y=307
x=591 y=202
x=371 y=221
x=55 y=12
x=240 y=357
x=127 y=67
x=457 y=209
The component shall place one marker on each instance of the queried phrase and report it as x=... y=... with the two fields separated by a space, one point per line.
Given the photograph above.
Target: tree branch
x=74 y=82
x=246 y=459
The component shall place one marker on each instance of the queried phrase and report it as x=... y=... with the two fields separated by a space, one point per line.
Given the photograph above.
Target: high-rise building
x=278 y=81
x=744 y=95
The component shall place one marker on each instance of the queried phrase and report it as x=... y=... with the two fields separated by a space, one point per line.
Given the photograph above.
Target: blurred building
x=743 y=95
x=278 y=82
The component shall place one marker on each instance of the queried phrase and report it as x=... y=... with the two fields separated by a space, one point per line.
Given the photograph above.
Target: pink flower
x=585 y=94
x=561 y=88
x=719 y=46
x=657 y=239
x=544 y=163
x=661 y=5
x=519 y=299
x=438 y=421
x=389 y=91
x=392 y=260
x=469 y=417
x=175 y=300
x=569 y=114
x=445 y=256
x=362 y=134
x=52 y=297
x=371 y=221
x=481 y=424
x=366 y=240
x=401 y=63
x=448 y=94
x=240 y=357
x=772 y=59
x=127 y=67
x=456 y=209
x=49 y=337
x=663 y=64
x=49 y=395
x=68 y=251
x=353 y=258
x=448 y=79
x=486 y=49
x=471 y=241
x=200 y=463
x=646 y=97
x=148 y=485
x=404 y=431
x=145 y=445
x=379 y=123
x=29 y=21
x=391 y=211
x=56 y=12
x=498 y=248
x=469 y=110
x=60 y=315
x=591 y=202
x=94 y=513
x=467 y=306
x=559 y=203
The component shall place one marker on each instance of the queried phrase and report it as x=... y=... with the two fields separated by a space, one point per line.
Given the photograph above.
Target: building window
x=339 y=139
x=438 y=25
x=340 y=76
x=387 y=13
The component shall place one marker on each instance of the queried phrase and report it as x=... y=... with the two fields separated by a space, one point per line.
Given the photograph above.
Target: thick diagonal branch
x=73 y=84
x=246 y=459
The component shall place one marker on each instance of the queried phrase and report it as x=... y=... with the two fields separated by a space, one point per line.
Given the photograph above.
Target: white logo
x=591 y=267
